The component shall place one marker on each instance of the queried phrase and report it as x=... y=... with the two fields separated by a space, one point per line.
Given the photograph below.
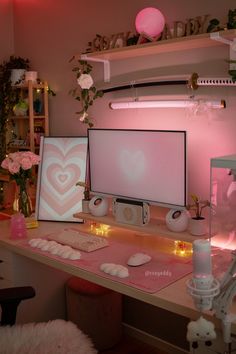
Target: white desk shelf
x=166 y=46
x=204 y=40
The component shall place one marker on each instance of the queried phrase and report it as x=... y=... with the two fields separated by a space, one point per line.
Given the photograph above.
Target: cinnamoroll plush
x=201 y=330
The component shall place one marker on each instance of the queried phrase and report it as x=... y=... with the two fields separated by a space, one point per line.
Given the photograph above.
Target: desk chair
x=57 y=336
x=10 y=298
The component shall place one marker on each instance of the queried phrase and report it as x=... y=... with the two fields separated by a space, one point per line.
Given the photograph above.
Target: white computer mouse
x=138 y=259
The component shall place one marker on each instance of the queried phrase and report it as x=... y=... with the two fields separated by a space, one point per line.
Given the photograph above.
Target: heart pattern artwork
x=63 y=164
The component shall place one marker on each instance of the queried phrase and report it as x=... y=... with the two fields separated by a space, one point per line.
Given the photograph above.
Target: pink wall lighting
x=150 y=21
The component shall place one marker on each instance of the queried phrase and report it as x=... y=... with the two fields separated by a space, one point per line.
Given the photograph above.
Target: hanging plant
x=86 y=92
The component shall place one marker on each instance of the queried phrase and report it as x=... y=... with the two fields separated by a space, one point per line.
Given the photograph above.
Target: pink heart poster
x=63 y=164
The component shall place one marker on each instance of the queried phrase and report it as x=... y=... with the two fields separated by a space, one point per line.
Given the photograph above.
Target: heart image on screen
x=132 y=164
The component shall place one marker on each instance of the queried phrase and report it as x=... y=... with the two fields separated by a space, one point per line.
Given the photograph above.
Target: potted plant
x=197 y=223
x=18 y=67
x=86 y=199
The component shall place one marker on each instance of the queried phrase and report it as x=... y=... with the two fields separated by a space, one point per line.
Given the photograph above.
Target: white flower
x=83 y=116
x=85 y=81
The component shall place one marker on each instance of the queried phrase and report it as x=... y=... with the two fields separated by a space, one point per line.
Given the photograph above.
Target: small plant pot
x=17 y=76
x=31 y=76
x=197 y=226
x=85 y=206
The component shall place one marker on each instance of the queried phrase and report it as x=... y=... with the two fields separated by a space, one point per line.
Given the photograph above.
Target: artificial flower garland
x=86 y=91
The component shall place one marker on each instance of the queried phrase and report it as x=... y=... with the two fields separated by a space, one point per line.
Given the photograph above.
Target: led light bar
x=167 y=104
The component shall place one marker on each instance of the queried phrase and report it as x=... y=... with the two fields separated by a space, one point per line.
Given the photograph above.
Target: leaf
x=100 y=93
x=81 y=184
x=195 y=198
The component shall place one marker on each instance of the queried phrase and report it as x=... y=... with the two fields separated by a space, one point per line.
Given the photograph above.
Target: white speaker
x=177 y=220
x=98 y=206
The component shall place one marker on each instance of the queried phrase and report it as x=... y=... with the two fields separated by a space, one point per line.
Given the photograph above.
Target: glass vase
x=22 y=202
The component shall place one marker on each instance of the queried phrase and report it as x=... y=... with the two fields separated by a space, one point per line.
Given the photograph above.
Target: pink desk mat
x=160 y=272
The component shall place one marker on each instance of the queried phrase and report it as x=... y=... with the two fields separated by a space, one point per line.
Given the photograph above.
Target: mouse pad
x=161 y=271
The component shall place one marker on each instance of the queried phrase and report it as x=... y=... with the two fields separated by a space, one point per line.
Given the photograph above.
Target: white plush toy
x=201 y=330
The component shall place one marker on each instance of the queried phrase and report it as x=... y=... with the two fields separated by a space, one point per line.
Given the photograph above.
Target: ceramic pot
x=197 y=227
x=31 y=76
x=85 y=206
x=17 y=76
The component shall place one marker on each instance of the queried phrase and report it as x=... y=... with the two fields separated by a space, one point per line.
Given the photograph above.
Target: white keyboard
x=80 y=241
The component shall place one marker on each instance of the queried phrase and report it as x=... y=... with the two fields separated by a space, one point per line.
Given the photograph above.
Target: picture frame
x=63 y=164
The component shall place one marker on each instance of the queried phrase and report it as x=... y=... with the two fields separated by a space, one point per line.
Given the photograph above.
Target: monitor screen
x=141 y=165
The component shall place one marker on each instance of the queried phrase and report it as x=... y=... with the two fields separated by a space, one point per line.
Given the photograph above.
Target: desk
x=173 y=298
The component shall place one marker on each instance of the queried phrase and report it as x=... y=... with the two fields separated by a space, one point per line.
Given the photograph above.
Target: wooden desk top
x=173 y=298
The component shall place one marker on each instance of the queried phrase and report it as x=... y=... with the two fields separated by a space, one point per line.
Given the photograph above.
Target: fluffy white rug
x=53 y=337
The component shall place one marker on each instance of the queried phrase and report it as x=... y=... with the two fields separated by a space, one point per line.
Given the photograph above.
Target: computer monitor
x=139 y=165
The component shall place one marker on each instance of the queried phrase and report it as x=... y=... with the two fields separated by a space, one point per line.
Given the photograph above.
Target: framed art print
x=63 y=164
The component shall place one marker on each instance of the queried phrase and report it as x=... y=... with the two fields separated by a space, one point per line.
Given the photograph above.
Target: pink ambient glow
x=225 y=241
x=150 y=21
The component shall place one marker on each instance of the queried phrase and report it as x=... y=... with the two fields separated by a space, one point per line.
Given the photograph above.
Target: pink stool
x=96 y=310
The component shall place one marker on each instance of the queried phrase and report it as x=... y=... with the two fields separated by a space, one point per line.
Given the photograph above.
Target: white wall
x=50 y=32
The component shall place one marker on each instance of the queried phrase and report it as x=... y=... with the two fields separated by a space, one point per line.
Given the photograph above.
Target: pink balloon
x=150 y=21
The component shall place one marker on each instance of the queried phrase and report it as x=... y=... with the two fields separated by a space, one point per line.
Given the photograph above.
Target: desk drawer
x=5 y=283
x=6 y=270
x=5 y=255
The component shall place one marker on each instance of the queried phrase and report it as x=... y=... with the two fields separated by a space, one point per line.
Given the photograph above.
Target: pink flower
x=35 y=159
x=13 y=167
x=5 y=163
x=85 y=81
x=17 y=162
x=83 y=116
x=26 y=163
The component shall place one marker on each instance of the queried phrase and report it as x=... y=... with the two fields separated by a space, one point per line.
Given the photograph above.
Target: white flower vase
x=197 y=227
x=17 y=76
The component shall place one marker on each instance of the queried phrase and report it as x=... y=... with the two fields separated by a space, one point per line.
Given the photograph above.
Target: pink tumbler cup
x=18 y=226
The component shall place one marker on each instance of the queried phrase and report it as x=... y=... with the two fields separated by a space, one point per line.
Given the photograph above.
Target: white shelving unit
x=26 y=125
